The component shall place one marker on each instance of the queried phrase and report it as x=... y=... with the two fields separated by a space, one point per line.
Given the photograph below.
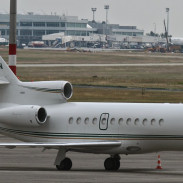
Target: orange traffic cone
x=159 y=163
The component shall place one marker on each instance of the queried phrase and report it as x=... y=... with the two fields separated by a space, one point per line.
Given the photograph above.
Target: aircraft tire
x=117 y=164
x=111 y=164
x=65 y=164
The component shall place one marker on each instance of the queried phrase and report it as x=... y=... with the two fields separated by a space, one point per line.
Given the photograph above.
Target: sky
x=147 y=15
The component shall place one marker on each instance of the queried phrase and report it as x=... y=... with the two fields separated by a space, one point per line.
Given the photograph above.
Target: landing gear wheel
x=65 y=164
x=112 y=164
x=117 y=164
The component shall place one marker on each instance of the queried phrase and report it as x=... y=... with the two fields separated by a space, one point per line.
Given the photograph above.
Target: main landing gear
x=112 y=163
x=63 y=163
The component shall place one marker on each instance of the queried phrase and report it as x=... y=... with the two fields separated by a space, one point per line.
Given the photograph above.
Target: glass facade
x=52 y=31
x=4 y=23
x=26 y=24
x=52 y=24
x=62 y=24
x=3 y=32
x=38 y=32
x=76 y=25
x=39 y=24
x=25 y=32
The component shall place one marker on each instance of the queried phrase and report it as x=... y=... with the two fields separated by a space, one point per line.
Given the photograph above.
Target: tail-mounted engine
x=63 y=88
x=23 y=115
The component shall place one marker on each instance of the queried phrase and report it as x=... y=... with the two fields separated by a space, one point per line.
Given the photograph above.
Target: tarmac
x=27 y=165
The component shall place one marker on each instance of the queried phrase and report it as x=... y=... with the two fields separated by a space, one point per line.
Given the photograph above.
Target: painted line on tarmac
x=100 y=65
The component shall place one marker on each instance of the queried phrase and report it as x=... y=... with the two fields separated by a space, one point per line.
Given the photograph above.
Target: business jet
x=39 y=115
x=176 y=41
x=3 y=41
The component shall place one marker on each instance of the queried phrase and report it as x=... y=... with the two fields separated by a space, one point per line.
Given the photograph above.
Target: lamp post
x=94 y=10
x=167 y=10
x=154 y=28
x=106 y=7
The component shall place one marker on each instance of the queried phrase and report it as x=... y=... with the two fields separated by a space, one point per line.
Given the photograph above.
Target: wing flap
x=59 y=145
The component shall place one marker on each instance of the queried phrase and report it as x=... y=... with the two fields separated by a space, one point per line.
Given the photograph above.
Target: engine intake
x=67 y=90
x=41 y=115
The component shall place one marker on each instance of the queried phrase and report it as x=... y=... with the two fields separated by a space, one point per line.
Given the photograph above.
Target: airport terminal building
x=116 y=29
x=31 y=27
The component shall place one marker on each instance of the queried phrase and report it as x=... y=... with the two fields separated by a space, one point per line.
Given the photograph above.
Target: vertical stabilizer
x=6 y=74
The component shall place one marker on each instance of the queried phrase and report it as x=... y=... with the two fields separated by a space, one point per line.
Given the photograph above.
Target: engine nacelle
x=61 y=87
x=23 y=115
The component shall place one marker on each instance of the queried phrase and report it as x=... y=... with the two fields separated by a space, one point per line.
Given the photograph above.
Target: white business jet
x=38 y=114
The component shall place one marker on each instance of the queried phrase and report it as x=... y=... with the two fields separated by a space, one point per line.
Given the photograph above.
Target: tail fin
x=6 y=75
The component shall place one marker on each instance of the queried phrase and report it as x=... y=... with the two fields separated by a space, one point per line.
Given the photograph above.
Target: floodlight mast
x=167 y=10
x=94 y=10
x=12 y=35
x=106 y=7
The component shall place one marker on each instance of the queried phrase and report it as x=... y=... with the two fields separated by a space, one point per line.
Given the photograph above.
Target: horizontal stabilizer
x=59 y=145
x=4 y=81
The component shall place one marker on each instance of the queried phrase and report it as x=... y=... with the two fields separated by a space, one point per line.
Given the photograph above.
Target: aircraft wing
x=54 y=145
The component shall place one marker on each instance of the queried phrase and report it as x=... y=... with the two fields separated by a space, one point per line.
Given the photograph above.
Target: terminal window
x=52 y=24
x=39 y=24
x=25 y=23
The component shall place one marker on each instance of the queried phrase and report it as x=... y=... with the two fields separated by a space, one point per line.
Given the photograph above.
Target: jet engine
x=61 y=87
x=23 y=115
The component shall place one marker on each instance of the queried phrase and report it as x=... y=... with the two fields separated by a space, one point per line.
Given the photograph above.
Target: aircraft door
x=103 y=124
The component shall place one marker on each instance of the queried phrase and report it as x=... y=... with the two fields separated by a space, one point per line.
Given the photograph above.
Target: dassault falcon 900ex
x=38 y=114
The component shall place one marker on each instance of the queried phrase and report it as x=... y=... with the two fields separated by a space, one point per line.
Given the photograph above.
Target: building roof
x=44 y=18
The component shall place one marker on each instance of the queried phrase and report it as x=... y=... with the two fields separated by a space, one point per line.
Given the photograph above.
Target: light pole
x=167 y=10
x=154 y=28
x=94 y=10
x=106 y=7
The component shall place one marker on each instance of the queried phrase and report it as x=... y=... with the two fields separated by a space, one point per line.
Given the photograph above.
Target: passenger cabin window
x=128 y=121
x=136 y=122
x=94 y=121
x=120 y=121
x=71 y=120
x=153 y=122
x=78 y=121
x=112 y=121
x=86 y=121
x=161 y=122
x=144 y=122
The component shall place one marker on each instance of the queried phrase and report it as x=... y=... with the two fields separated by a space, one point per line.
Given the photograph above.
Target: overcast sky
x=145 y=14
